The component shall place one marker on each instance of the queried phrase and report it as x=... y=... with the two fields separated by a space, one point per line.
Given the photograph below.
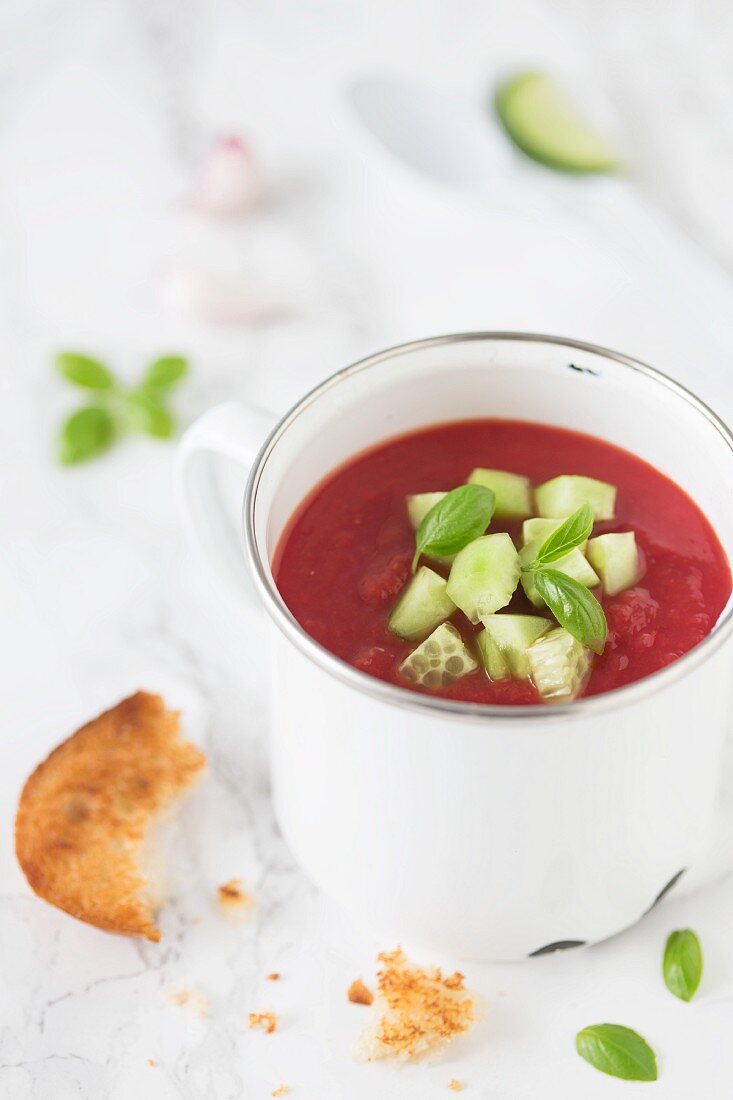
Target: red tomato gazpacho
x=497 y=561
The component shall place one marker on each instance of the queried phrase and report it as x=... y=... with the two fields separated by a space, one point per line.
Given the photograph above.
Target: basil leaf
x=682 y=964
x=618 y=1051
x=86 y=434
x=460 y=517
x=84 y=371
x=148 y=414
x=573 y=532
x=573 y=606
x=165 y=371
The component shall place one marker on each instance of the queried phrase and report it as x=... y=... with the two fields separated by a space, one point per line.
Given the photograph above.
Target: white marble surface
x=104 y=112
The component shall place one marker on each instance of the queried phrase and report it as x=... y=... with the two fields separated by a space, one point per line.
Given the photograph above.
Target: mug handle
x=232 y=431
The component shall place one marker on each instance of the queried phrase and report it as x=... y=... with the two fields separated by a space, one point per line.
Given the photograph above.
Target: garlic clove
x=228 y=183
x=217 y=298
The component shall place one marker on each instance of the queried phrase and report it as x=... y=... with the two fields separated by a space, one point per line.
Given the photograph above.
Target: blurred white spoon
x=456 y=145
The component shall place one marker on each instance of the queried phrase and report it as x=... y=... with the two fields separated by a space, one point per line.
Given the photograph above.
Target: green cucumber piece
x=422 y=606
x=559 y=666
x=574 y=564
x=546 y=126
x=537 y=530
x=512 y=491
x=484 y=575
x=561 y=496
x=615 y=558
x=419 y=505
x=513 y=635
x=441 y=659
x=495 y=665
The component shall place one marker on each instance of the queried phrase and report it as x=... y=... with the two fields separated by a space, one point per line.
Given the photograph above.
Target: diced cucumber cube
x=574 y=564
x=513 y=635
x=441 y=659
x=495 y=665
x=423 y=605
x=484 y=575
x=559 y=665
x=419 y=505
x=537 y=530
x=615 y=558
x=563 y=495
x=512 y=491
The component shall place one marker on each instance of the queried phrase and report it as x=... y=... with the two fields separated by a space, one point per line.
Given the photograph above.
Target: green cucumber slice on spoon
x=542 y=122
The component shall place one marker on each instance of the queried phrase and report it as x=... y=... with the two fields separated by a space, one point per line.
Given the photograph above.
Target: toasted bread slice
x=86 y=812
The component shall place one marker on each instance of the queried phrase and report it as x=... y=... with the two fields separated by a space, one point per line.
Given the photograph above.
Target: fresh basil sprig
x=574 y=607
x=147 y=412
x=85 y=434
x=84 y=371
x=165 y=372
x=114 y=408
x=572 y=604
x=682 y=964
x=573 y=532
x=617 y=1051
x=461 y=516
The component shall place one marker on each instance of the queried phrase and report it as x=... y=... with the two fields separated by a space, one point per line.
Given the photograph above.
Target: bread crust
x=84 y=813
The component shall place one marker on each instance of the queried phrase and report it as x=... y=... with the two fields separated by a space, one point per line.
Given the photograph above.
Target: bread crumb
x=274 y=977
x=265 y=1021
x=417 y=1011
x=455 y=1086
x=191 y=999
x=152 y=1062
x=234 y=902
x=281 y=1090
x=360 y=994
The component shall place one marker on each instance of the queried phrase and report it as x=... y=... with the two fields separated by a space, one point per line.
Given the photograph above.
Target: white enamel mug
x=480 y=831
